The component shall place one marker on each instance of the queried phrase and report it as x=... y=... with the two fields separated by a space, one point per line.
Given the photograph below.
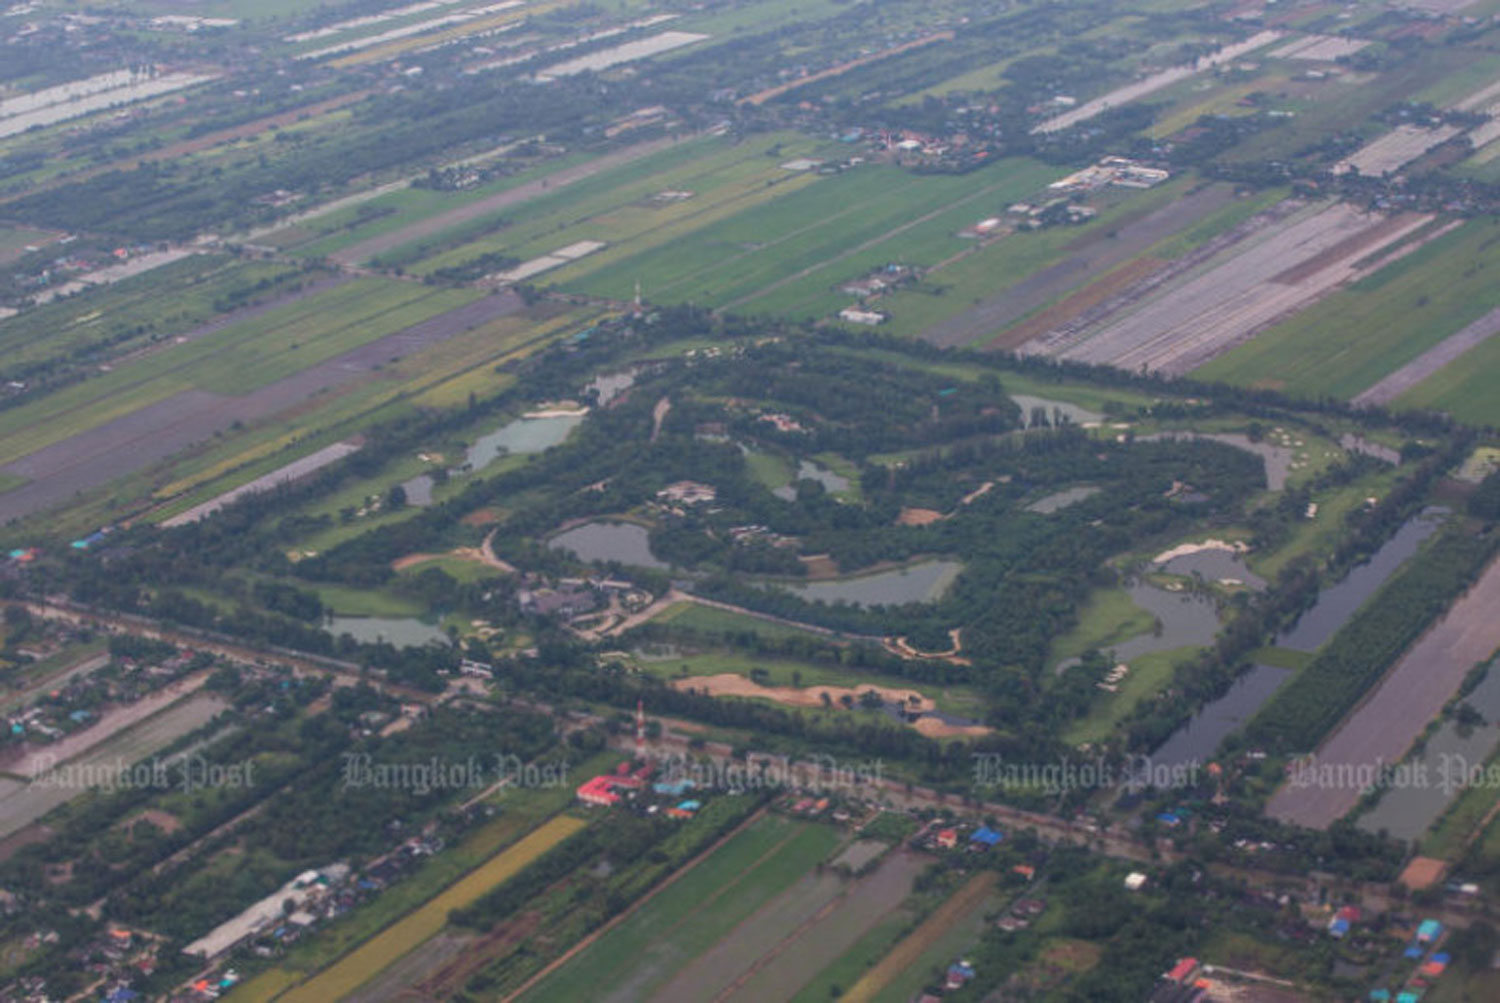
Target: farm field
x=1283 y=271
x=631 y=210
x=1368 y=330
x=366 y=961
x=162 y=409
x=721 y=895
x=989 y=290
x=900 y=972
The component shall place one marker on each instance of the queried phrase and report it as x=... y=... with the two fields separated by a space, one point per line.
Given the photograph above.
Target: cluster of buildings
x=570 y=598
x=1121 y=172
x=281 y=917
x=632 y=785
x=979 y=840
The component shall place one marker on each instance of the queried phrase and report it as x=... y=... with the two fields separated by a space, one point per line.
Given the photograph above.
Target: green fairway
x=695 y=912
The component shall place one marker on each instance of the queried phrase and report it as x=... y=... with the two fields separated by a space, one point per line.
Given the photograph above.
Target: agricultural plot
x=625 y=211
x=413 y=227
x=1361 y=334
x=1155 y=82
x=1395 y=150
x=1250 y=288
x=161 y=405
x=727 y=894
x=1031 y=270
x=1391 y=718
x=364 y=963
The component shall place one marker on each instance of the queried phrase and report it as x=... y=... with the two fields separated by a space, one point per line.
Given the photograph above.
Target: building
x=688 y=493
x=1135 y=881
x=855 y=315
x=984 y=837
x=947 y=839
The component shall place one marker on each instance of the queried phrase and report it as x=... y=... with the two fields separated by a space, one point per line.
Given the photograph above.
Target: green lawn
x=1149 y=675
x=1109 y=617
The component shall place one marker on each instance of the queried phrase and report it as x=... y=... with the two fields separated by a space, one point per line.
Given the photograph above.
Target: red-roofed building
x=1183 y=970
x=947 y=838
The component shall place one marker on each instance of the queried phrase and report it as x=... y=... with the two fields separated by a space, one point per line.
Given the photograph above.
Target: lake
x=1062 y=499
x=810 y=471
x=1337 y=603
x=403 y=632
x=601 y=542
x=523 y=435
x=1197 y=740
x=1072 y=412
x=1188 y=620
x=1215 y=565
x=922 y=582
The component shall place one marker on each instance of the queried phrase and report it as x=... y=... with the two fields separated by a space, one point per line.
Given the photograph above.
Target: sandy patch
x=412 y=560
x=934 y=727
x=918 y=517
x=1184 y=549
x=1423 y=872
x=729 y=684
x=163 y=820
x=481 y=517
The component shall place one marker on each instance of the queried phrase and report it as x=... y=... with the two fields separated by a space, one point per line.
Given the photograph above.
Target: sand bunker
x=918 y=517
x=1184 y=549
x=934 y=727
x=729 y=684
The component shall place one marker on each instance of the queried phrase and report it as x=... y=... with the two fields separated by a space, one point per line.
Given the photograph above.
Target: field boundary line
x=670 y=880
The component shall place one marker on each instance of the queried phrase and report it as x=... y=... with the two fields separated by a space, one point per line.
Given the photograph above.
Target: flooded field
x=1053 y=409
x=61 y=777
x=922 y=582
x=1450 y=757
x=601 y=542
x=1391 y=718
x=807 y=470
x=1215 y=565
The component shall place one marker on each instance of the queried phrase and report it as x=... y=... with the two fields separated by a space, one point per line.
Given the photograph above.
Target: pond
x=1215 y=565
x=1449 y=759
x=523 y=435
x=1070 y=412
x=1277 y=459
x=1337 y=603
x=418 y=490
x=601 y=542
x=403 y=632
x=807 y=470
x=1062 y=499
x=922 y=582
x=1196 y=742
x=1188 y=620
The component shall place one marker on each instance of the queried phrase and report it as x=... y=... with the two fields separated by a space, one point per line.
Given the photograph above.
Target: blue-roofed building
x=1168 y=818
x=121 y=994
x=1408 y=996
x=674 y=788
x=1339 y=928
x=1413 y=952
x=986 y=837
x=1380 y=996
x=1428 y=931
x=690 y=806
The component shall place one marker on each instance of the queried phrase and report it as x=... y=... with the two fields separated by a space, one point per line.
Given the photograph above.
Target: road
x=851 y=779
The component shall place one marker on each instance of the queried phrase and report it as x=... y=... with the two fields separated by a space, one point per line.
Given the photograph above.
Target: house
x=602 y=790
x=959 y=973
x=1183 y=970
x=984 y=837
x=1025 y=870
x=1428 y=931
x=947 y=839
x=1135 y=881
